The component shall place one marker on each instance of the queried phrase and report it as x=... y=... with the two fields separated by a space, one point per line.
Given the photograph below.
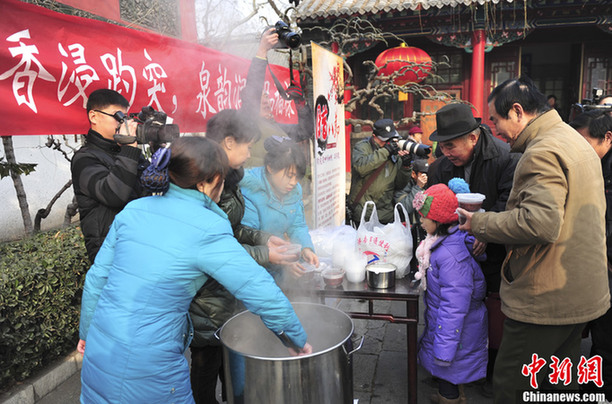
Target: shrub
x=41 y=282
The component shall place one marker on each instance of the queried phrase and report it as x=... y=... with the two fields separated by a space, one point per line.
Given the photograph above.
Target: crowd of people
x=541 y=241
x=181 y=243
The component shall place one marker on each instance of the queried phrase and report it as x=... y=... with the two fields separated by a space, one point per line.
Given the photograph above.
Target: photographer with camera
x=105 y=173
x=152 y=128
x=380 y=166
x=256 y=102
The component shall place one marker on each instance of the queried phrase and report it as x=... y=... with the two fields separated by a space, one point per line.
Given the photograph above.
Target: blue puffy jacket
x=453 y=346
x=159 y=252
x=265 y=211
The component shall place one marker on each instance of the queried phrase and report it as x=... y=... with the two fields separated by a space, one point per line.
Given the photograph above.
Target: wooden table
x=404 y=291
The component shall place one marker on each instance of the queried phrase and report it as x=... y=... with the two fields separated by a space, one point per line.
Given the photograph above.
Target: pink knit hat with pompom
x=437 y=203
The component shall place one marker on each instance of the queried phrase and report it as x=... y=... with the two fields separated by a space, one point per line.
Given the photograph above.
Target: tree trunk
x=43 y=213
x=71 y=211
x=9 y=153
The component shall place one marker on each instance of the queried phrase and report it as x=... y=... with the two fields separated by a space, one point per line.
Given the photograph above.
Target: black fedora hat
x=452 y=121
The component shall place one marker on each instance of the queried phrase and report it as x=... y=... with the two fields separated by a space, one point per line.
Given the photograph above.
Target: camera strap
x=277 y=82
x=367 y=184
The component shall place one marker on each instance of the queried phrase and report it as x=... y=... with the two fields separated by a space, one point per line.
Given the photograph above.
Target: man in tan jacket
x=554 y=277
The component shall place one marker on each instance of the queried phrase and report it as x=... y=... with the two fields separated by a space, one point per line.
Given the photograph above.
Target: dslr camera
x=417 y=149
x=286 y=37
x=152 y=128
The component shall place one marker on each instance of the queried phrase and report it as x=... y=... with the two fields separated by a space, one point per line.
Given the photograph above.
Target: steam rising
x=326 y=327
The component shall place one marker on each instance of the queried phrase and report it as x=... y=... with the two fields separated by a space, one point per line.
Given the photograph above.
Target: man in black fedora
x=471 y=152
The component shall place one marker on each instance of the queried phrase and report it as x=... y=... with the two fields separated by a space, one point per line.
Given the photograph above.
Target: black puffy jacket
x=105 y=177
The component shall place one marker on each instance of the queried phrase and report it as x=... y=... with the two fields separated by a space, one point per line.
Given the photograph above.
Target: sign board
x=329 y=177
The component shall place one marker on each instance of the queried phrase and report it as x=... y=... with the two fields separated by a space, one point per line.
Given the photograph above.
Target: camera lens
x=408 y=145
x=292 y=40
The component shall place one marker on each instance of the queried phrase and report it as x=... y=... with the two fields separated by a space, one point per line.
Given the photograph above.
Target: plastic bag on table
x=390 y=243
x=335 y=242
x=399 y=237
x=370 y=236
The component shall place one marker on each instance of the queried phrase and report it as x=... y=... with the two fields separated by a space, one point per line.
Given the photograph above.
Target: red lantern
x=404 y=56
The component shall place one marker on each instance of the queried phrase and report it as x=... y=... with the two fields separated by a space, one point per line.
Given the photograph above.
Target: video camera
x=286 y=37
x=589 y=104
x=152 y=128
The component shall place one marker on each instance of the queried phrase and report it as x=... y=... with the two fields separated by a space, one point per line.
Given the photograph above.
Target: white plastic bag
x=344 y=243
x=321 y=240
x=370 y=236
x=335 y=242
x=400 y=243
x=391 y=243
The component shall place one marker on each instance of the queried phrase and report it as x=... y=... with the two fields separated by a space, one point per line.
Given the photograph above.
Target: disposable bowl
x=333 y=277
x=471 y=202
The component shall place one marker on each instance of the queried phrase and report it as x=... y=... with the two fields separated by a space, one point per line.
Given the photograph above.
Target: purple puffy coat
x=455 y=314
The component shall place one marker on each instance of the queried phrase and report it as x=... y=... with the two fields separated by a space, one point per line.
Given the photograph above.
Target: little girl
x=453 y=346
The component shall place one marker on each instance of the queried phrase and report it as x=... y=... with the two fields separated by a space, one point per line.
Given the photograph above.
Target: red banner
x=50 y=62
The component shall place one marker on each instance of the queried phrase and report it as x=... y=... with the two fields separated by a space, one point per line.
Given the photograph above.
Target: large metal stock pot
x=259 y=368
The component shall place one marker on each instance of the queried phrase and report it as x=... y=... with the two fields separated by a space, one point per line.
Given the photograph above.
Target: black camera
x=589 y=104
x=152 y=128
x=286 y=37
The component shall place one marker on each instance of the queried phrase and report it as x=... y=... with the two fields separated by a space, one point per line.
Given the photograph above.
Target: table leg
x=412 y=311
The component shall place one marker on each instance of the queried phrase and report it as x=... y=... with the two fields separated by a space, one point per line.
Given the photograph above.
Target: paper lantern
x=404 y=56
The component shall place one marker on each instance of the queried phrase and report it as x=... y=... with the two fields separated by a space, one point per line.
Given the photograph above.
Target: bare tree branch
x=43 y=213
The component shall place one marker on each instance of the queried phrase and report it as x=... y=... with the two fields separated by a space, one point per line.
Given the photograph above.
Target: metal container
x=259 y=369
x=380 y=275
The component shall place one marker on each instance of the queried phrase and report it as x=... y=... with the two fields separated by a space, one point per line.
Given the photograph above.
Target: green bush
x=41 y=282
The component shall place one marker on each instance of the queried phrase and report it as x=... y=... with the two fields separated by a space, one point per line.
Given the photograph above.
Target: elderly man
x=471 y=152
x=554 y=278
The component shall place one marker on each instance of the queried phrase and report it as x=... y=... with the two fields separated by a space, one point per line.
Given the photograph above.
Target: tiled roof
x=326 y=8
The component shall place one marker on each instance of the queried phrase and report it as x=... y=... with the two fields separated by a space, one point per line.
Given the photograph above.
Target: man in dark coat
x=596 y=127
x=471 y=152
x=105 y=174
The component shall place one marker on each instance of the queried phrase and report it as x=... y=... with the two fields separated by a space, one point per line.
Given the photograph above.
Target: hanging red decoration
x=414 y=62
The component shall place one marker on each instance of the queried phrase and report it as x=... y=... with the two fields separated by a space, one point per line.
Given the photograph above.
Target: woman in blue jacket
x=160 y=250
x=273 y=197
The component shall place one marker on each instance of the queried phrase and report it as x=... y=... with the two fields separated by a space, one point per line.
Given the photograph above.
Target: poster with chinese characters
x=50 y=62
x=329 y=177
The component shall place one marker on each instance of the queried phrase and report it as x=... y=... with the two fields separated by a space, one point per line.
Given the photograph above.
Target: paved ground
x=380 y=374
